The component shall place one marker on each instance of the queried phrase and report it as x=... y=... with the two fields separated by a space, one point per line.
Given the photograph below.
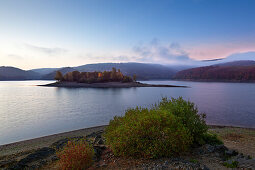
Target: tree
x=69 y=76
x=76 y=75
x=58 y=76
x=134 y=77
x=127 y=79
x=113 y=74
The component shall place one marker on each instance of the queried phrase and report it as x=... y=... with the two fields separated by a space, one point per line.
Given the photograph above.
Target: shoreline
x=106 y=85
x=45 y=141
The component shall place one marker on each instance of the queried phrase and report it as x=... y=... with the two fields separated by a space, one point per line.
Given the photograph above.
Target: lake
x=29 y=111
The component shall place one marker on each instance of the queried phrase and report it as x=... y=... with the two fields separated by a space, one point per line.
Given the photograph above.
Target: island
x=106 y=79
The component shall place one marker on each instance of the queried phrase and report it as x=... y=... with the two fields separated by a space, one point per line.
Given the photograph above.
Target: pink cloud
x=214 y=51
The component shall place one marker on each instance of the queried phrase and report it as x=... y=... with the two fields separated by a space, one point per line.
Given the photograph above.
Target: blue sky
x=55 y=33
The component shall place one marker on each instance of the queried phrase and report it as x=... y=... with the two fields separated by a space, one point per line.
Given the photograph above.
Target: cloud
x=14 y=56
x=104 y=58
x=151 y=52
x=157 y=52
x=47 y=50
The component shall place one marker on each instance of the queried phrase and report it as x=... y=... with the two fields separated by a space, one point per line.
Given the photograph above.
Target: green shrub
x=187 y=112
x=233 y=164
x=212 y=139
x=147 y=133
x=170 y=127
x=193 y=161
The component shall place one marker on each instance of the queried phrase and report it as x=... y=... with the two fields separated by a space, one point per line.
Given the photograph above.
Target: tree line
x=94 y=77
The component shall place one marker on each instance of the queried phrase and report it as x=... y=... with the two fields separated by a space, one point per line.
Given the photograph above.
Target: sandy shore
x=32 y=144
x=105 y=85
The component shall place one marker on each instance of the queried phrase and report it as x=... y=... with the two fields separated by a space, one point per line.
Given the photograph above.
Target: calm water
x=28 y=111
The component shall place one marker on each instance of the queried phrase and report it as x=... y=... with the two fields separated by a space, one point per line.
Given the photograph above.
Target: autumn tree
x=76 y=75
x=127 y=79
x=68 y=76
x=58 y=76
x=134 y=77
x=113 y=74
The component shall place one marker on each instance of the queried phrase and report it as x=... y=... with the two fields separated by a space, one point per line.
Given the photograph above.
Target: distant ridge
x=241 y=71
x=238 y=63
x=12 y=73
x=51 y=75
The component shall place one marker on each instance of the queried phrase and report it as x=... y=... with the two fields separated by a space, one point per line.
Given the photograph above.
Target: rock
x=203 y=167
x=220 y=148
x=54 y=158
x=98 y=149
x=231 y=153
x=62 y=142
x=209 y=148
x=6 y=163
x=37 y=155
x=99 y=142
x=246 y=164
x=95 y=134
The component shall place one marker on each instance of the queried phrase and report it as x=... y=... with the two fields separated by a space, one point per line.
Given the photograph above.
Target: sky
x=56 y=33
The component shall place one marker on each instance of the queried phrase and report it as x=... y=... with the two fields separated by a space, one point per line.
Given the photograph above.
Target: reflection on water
x=28 y=111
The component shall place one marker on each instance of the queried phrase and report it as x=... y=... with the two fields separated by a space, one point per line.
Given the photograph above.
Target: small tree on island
x=134 y=78
x=59 y=76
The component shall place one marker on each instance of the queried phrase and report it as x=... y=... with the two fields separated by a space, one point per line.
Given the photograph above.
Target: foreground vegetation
x=94 y=77
x=75 y=155
x=239 y=139
x=169 y=128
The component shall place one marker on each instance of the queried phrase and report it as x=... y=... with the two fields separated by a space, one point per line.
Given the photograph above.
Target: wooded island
x=94 y=77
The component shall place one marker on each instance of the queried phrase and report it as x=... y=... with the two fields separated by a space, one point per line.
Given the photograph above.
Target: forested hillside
x=234 y=71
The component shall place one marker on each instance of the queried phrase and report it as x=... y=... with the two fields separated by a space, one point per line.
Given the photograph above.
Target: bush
x=211 y=139
x=76 y=155
x=147 y=133
x=187 y=112
x=168 y=128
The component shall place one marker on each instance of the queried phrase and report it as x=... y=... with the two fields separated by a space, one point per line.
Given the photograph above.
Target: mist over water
x=28 y=111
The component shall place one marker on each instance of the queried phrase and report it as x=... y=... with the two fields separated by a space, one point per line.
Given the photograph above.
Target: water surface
x=28 y=111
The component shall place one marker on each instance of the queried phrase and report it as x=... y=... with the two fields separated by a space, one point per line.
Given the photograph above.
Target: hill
x=51 y=75
x=12 y=73
x=44 y=71
x=241 y=71
x=143 y=71
x=238 y=63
